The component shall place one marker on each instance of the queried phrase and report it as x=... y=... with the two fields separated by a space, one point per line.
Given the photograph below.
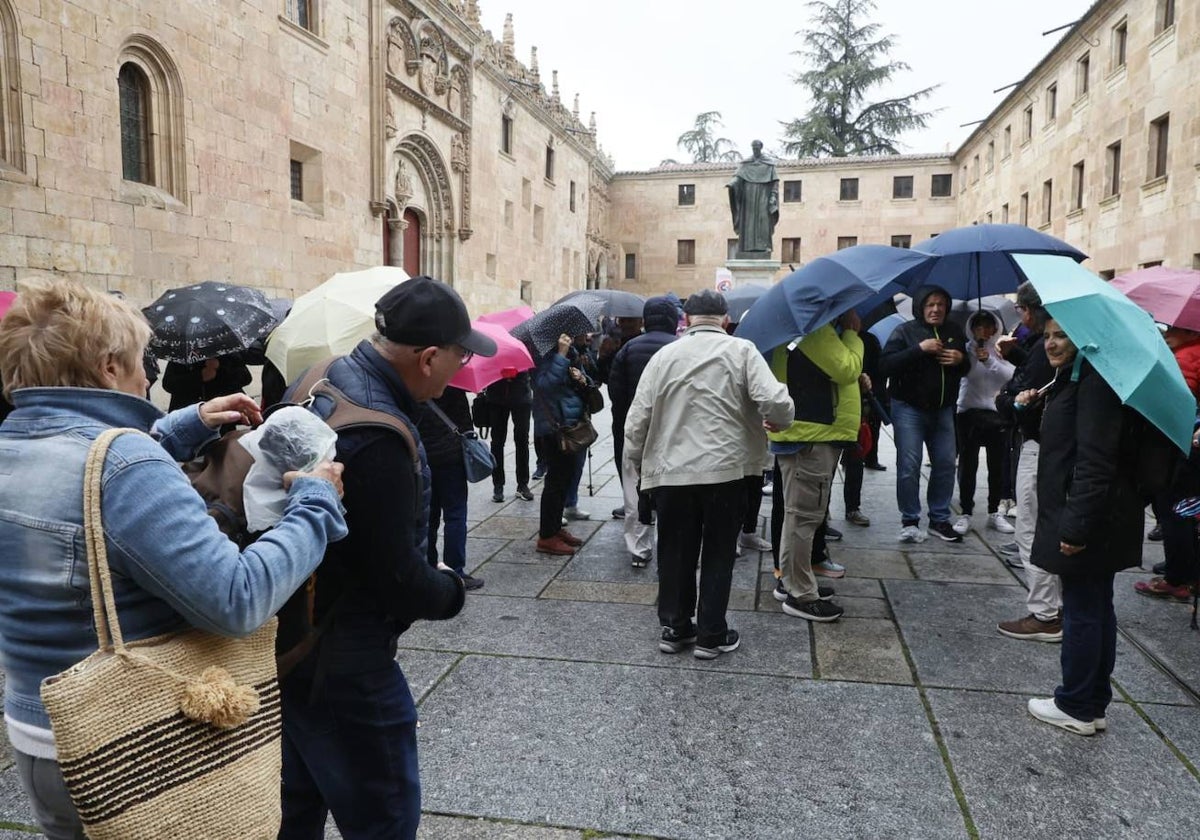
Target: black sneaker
x=1159 y=569
x=618 y=512
x=1155 y=534
x=498 y=494
x=525 y=493
x=818 y=610
x=471 y=582
x=832 y=534
x=713 y=650
x=944 y=530
x=824 y=593
x=673 y=641
x=638 y=562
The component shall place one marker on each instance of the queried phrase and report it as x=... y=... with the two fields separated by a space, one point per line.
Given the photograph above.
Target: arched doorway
x=412 y=242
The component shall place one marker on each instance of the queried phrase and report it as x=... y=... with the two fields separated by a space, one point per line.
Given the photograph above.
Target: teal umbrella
x=1119 y=338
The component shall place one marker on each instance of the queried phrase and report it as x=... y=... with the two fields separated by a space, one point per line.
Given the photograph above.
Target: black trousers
x=852 y=468
x=976 y=429
x=754 y=496
x=699 y=523
x=1179 y=541
x=520 y=421
x=560 y=467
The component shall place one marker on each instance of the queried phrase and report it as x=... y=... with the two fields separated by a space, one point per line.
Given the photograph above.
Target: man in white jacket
x=979 y=424
x=693 y=433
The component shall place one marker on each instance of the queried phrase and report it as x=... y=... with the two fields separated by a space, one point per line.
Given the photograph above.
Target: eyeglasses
x=467 y=355
x=464 y=356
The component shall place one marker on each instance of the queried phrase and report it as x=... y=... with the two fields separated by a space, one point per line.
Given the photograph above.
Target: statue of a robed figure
x=754 y=202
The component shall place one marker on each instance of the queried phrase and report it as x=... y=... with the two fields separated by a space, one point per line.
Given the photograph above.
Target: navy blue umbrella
x=860 y=278
x=976 y=260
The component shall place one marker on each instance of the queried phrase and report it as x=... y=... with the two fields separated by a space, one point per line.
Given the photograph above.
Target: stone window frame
x=790 y=249
x=1083 y=74
x=949 y=182
x=630 y=265
x=685 y=252
x=1157 y=161
x=312 y=175
x=843 y=189
x=1051 y=103
x=1112 y=170
x=1078 y=185
x=165 y=113
x=686 y=195
x=1119 y=54
x=898 y=191
x=1164 y=16
x=844 y=242
x=793 y=190
x=12 y=124
x=901 y=240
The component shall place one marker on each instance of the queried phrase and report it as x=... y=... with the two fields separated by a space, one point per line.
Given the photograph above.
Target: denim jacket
x=171 y=566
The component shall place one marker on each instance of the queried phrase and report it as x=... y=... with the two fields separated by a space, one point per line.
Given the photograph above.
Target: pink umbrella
x=1170 y=295
x=508 y=319
x=6 y=300
x=511 y=358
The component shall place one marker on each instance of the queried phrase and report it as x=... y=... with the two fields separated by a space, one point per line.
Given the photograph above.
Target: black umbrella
x=209 y=319
x=614 y=302
x=541 y=332
x=741 y=298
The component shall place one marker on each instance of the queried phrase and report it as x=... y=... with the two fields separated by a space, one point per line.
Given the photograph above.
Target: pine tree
x=700 y=143
x=847 y=59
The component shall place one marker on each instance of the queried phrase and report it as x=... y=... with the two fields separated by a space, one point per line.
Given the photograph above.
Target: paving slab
x=603 y=591
x=506 y=528
x=636 y=758
x=872 y=562
x=618 y=633
x=950 y=630
x=861 y=649
x=481 y=549
x=423 y=668
x=525 y=580
x=1023 y=778
x=1161 y=627
x=1181 y=724
x=961 y=568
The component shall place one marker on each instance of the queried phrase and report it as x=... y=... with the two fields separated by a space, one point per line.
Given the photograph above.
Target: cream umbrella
x=331 y=319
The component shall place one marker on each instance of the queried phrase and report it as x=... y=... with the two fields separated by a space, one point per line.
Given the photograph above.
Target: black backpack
x=220 y=472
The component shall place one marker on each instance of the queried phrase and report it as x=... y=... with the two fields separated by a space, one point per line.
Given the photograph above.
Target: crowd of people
x=700 y=418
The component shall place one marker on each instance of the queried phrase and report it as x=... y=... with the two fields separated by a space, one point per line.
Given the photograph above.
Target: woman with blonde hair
x=71 y=363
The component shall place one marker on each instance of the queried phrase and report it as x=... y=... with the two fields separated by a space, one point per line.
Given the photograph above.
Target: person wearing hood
x=979 y=424
x=924 y=360
x=660 y=316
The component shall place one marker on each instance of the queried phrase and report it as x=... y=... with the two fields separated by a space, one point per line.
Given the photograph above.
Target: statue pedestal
x=753 y=271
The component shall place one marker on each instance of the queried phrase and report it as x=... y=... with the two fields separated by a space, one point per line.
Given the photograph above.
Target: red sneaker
x=1158 y=587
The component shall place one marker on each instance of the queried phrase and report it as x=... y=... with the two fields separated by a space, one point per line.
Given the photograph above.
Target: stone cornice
x=422 y=101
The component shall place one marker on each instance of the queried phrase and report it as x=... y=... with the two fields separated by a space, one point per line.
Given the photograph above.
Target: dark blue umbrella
x=741 y=298
x=860 y=277
x=976 y=260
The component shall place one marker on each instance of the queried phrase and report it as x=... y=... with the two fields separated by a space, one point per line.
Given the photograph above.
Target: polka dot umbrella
x=540 y=333
x=194 y=323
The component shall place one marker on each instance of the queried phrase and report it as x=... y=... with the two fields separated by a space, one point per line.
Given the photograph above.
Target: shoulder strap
x=436 y=409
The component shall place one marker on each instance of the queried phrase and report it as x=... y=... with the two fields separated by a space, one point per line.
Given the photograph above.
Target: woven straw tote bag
x=176 y=736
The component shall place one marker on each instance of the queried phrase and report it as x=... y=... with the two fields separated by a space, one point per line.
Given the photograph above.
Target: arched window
x=134 y=88
x=151 y=97
x=12 y=126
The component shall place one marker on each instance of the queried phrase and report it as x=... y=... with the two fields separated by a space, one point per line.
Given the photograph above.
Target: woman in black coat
x=1089 y=527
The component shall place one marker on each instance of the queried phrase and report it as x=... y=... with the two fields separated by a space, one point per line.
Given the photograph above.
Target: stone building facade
x=146 y=144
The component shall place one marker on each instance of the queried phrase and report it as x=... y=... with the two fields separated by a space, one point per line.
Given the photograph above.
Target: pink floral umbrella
x=1170 y=295
x=511 y=358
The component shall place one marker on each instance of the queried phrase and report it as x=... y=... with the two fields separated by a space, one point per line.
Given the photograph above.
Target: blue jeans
x=448 y=497
x=915 y=431
x=350 y=744
x=572 y=499
x=1089 y=645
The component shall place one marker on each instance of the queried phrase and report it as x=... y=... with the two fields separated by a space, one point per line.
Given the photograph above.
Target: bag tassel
x=216 y=699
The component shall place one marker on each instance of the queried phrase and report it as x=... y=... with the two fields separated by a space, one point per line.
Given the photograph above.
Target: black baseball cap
x=707 y=302
x=423 y=312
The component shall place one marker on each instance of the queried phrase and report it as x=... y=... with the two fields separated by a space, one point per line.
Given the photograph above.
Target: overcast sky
x=648 y=67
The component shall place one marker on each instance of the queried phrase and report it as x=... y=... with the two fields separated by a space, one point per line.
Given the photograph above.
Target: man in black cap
x=693 y=433
x=349 y=721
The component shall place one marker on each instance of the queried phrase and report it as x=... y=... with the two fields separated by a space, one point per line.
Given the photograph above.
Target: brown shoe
x=569 y=538
x=1033 y=628
x=554 y=545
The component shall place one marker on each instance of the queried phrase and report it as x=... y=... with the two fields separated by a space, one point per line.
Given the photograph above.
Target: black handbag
x=577 y=437
x=593 y=400
x=481 y=413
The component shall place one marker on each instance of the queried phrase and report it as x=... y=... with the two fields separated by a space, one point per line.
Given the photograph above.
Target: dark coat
x=511 y=393
x=186 y=388
x=1034 y=371
x=1086 y=494
x=661 y=319
x=914 y=376
x=442 y=446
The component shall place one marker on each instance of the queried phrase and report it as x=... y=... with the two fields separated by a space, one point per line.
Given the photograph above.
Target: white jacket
x=697 y=416
x=979 y=387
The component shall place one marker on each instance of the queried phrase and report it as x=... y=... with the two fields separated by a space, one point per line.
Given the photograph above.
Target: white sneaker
x=576 y=514
x=998 y=522
x=753 y=542
x=962 y=525
x=1047 y=711
x=1009 y=508
x=768 y=488
x=912 y=534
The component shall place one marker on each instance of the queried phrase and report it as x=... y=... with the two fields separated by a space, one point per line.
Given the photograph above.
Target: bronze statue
x=754 y=202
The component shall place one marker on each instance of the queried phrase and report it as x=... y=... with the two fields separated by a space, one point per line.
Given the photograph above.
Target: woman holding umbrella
x=1089 y=527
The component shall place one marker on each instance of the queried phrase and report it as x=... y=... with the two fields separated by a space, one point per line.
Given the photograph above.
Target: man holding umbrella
x=925 y=360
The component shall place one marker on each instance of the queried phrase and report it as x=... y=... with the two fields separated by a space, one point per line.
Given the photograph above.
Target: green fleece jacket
x=841 y=359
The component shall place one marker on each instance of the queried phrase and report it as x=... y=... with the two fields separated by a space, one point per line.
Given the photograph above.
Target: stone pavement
x=548 y=712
